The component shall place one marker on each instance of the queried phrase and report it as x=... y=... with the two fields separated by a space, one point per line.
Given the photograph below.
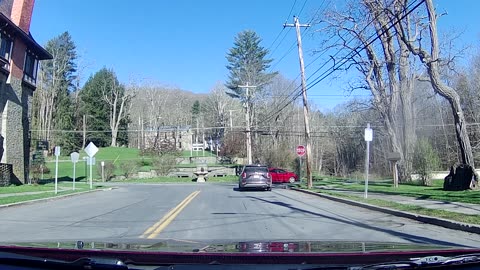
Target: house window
x=30 y=68
x=5 y=50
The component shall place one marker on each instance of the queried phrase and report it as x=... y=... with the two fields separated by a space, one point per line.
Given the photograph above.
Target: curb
x=51 y=198
x=455 y=225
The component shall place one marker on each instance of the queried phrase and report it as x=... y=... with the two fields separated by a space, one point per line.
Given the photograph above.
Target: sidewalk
x=458 y=207
x=31 y=193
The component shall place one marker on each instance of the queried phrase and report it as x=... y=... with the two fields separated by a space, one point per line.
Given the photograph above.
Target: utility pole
x=84 y=131
x=308 y=156
x=247 y=121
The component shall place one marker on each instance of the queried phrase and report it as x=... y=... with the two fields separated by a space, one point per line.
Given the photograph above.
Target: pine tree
x=247 y=64
x=99 y=112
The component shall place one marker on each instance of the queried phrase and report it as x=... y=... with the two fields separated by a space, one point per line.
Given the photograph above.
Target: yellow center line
x=154 y=230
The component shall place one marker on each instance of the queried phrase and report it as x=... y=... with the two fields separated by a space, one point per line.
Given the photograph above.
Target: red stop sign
x=301 y=150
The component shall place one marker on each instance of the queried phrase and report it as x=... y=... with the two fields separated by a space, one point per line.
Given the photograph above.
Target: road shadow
x=60 y=179
x=248 y=190
x=406 y=236
x=274 y=186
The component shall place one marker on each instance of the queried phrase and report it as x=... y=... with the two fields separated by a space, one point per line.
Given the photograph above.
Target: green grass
x=44 y=194
x=224 y=179
x=34 y=188
x=106 y=154
x=434 y=192
x=471 y=219
x=120 y=156
x=117 y=155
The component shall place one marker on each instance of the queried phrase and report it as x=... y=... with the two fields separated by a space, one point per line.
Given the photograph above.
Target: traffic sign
x=368 y=134
x=57 y=151
x=301 y=150
x=74 y=156
x=91 y=149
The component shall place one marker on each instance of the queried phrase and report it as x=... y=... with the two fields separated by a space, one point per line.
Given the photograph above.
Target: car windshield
x=240 y=126
x=255 y=169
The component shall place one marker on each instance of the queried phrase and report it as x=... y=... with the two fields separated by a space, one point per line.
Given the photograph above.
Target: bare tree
x=431 y=59
x=118 y=99
x=217 y=111
x=155 y=106
x=51 y=79
x=384 y=67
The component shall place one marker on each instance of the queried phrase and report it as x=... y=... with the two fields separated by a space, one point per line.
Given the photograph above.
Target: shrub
x=109 y=169
x=425 y=160
x=128 y=168
x=164 y=163
x=143 y=163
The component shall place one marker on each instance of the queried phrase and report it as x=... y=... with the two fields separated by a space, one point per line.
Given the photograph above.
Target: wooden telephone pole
x=308 y=155
x=247 y=121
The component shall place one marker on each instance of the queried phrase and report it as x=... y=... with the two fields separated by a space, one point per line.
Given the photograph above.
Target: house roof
x=8 y=26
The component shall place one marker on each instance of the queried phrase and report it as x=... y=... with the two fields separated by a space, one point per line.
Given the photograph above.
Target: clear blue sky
x=183 y=42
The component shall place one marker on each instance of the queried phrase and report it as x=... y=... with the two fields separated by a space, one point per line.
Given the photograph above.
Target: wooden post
x=308 y=155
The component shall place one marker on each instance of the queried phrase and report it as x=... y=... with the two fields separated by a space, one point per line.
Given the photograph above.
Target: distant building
x=176 y=137
x=19 y=58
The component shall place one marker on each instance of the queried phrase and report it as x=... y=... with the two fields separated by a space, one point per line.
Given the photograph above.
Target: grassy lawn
x=44 y=187
x=471 y=219
x=121 y=157
x=47 y=192
x=434 y=192
x=224 y=179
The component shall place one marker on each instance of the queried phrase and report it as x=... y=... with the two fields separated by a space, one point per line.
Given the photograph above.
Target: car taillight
x=244 y=175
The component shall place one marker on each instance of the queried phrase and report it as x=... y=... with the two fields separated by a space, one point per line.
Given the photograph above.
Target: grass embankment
x=332 y=186
x=32 y=192
x=124 y=159
x=434 y=192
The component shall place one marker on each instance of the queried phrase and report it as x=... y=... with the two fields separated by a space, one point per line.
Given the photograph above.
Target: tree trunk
x=431 y=61
x=408 y=123
x=114 y=139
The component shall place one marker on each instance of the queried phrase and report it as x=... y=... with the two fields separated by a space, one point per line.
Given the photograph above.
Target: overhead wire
x=293 y=45
x=281 y=31
x=355 y=51
x=329 y=71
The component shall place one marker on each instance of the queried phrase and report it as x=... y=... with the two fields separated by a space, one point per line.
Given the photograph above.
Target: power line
x=262 y=129
x=290 y=13
x=342 y=62
x=293 y=45
x=281 y=31
x=355 y=51
x=300 y=13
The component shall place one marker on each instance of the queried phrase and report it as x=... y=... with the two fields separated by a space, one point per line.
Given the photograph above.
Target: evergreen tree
x=247 y=64
x=98 y=111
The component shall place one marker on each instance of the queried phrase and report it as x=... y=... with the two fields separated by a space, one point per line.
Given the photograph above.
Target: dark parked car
x=255 y=176
x=282 y=176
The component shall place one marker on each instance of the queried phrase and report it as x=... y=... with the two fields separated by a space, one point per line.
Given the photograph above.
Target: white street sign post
x=103 y=171
x=57 y=153
x=91 y=162
x=91 y=150
x=74 y=156
x=368 y=139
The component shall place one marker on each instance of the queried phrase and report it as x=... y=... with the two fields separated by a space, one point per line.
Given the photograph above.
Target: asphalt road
x=211 y=212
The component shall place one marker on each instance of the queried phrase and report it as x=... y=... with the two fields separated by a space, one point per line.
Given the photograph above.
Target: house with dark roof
x=19 y=58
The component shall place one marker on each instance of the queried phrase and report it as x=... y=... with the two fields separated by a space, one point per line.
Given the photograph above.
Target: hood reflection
x=237 y=247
